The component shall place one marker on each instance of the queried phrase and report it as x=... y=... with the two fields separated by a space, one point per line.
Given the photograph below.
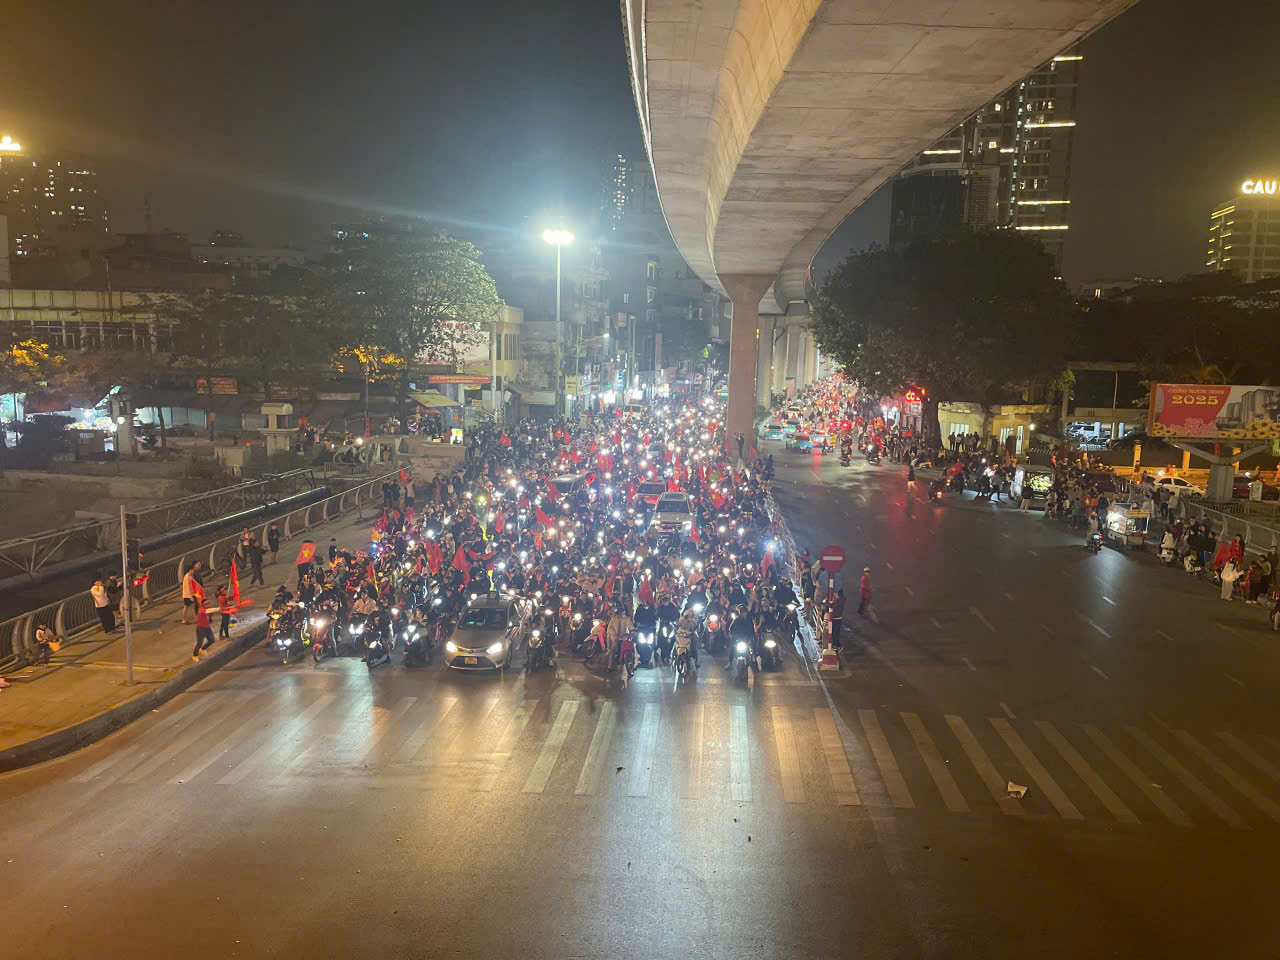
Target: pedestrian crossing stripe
x=781 y=753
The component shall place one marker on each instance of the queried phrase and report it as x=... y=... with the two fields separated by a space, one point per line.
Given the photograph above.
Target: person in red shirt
x=204 y=631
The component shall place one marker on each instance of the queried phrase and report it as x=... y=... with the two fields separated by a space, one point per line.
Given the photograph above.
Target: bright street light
x=557 y=238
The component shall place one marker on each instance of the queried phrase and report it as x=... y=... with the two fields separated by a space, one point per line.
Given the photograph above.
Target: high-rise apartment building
x=1007 y=166
x=1244 y=233
x=45 y=200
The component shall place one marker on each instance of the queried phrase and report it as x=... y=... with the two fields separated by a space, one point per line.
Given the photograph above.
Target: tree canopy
x=963 y=316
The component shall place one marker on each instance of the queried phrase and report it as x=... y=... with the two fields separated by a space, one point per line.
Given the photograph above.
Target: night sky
x=276 y=119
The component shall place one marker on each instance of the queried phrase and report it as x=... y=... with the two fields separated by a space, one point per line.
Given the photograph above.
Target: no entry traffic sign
x=831 y=558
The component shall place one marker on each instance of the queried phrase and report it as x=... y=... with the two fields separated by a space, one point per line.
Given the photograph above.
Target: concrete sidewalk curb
x=81 y=734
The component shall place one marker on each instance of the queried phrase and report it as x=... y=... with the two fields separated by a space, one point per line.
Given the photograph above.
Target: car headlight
x=451 y=646
x=770 y=644
x=741 y=647
x=495 y=648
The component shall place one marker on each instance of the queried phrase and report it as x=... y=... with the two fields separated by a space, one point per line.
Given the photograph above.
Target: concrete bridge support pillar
x=745 y=290
x=765 y=359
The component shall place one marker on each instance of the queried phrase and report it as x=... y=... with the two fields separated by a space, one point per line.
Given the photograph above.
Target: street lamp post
x=558 y=239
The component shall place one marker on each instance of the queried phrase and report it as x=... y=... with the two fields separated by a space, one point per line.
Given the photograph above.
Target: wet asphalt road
x=326 y=811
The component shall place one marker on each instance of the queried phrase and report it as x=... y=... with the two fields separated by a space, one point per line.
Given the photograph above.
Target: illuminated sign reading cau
x=1260 y=187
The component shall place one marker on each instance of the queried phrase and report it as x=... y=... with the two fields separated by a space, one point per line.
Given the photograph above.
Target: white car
x=1177 y=486
x=671 y=515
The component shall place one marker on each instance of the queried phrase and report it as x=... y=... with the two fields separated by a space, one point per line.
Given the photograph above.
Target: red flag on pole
x=542 y=517
x=500 y=521
x=235 y=584
x=552 y=493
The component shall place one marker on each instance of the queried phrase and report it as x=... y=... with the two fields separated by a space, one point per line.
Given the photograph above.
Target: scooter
x=935 y=491
x=376 y=652
x=417 y=651
x=539 y=654
x=683 y=657
x=770 y=654
x=322 y=642
x=1095 y=541
x=741 y=659
x=646 y=643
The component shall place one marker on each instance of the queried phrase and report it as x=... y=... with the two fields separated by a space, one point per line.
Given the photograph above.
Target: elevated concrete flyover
x=769 y=121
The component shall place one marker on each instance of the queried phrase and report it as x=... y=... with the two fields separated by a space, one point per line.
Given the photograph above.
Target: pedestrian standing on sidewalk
x=256 y=554
x=102 y=606
x=225 y=608
x=204 y=631
x=273 y=541
x=741 y=440
x=1230 y=574
x=864 y=592
x=190 y=587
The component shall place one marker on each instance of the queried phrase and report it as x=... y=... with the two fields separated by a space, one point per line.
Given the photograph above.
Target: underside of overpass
x=769 y=121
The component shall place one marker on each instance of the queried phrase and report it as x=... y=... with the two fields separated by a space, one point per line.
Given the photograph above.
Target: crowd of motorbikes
x=600 y=584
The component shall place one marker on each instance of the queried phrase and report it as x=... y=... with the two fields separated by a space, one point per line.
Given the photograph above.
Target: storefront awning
x=433 y=399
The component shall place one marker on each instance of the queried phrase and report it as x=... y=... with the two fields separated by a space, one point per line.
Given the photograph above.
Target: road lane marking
x=936 y=624
x=1189 y=780
x=968 y=663
x=1031 y=763
x=1110 y=601
x=1007 y=711
x=550 y=751
x=788 y=761
x=871 y=612
x=891 y=776
x=1174 y=813
x=325 y=745
x=739 y=757
x=1161 y=633
x=1047 y=629
x=1110 y=799
x=935 y=764
x=1097 y=671
x=596 y=753
x=286 y=739
x=1158 y=719
x=642 y=761
x=1033 y=553
x=1255 y=758
x=193 y=708
x=982 y=764
x=910 y=592
x=888 y=564
x=191 y=732
x=1227 y=773
x=233 y=736
x=693 y=786
x=428 y=725
x=382 y=724
x=1236 y=680
x=1095 y=626
x=1008 y=595
x=506 y=744
x=985 y=622
x=837 y=763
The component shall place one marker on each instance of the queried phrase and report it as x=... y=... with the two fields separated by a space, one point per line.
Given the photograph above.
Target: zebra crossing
x=791 y=754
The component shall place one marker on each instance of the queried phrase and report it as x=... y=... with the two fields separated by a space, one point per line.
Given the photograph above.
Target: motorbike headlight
x=436 y=602
x=741 y=647
x=451 y=646
x=537 y=633
x=714 y=618
x=395 y=611
x=352 y=629
x=495 y=649
x=288 y=641
x=546 y=612
x=770 y=644
x=577 y=617
x=791 y=607
x=697 y=608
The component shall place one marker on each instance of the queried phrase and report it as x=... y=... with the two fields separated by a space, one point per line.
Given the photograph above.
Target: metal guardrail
x=75 y=615
x=1260 y=533
x=31 y=553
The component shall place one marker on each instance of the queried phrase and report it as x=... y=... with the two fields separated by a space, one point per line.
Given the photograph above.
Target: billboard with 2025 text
x=1214 y=411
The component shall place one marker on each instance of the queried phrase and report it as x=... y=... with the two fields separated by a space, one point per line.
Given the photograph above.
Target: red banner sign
x=1214 y=411
x=456 y=378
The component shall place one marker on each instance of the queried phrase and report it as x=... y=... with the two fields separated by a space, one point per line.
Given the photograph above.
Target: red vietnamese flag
x=766 y=563
x=404 y=476
x=500 y=521
x=593 y=447
x=673 y=485
x=504 y=440
x=717 y=499
x=235 y=584
x=434 y=557
x=542 y=517
x=577 y=458
x=552 y=493
x=693 y=533
x=460 y=561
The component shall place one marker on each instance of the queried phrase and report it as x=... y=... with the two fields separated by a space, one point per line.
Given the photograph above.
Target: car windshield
x=484 y=618
x=564 y=486
x=673 y=506
x=651 y=488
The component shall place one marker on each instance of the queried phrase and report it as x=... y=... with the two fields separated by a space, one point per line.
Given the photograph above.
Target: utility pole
x=128 y=599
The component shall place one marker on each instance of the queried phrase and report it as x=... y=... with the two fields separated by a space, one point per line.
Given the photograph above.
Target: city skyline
x=212 y=156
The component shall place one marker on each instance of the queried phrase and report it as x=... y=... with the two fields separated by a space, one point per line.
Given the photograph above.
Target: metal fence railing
x=1260 y=533
x=75 y=615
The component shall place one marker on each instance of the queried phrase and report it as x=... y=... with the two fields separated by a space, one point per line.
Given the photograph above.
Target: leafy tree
x=213 y=326
x=137 y=372
x=25 y=364
x=964 y=316
x=283 y=343
x=406 y=292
